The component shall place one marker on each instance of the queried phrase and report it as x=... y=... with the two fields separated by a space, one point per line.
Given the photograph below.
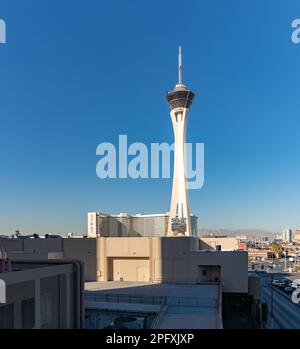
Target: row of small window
x=28 y=315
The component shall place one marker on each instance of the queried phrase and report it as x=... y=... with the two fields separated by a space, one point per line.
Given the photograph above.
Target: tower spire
x=179 y=67
x=180 y=100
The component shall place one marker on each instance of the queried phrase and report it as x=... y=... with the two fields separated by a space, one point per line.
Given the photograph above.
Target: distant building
x=297 y=236
x=287 y=235
x=263 y=254
x=126 y=225
x=278 y=237
x=242 y=237
x=42 y=295
x=243 y=245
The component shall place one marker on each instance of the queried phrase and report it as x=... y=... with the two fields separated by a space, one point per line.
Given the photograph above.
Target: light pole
x=272 y=303
x=272 y=299
x=285 y=251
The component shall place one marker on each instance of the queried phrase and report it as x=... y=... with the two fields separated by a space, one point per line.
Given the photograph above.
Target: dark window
x=7 y=316
x=28 y=310
x=204 y=272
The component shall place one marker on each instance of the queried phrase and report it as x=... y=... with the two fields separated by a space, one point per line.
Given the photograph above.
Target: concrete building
x=147 y=259
x=287 y=235
x=126 y=225
x=82 y=249
x=297 y=236
x=189 y=280
x=42 y=295
x=243 y=245
x=224 y=243
x=263 y=254
x=170 y=260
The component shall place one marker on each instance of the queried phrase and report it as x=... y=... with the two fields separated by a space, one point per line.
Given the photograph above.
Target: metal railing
x=126 y=298
x=207 y=302
x=92 y=322
x=158 y=318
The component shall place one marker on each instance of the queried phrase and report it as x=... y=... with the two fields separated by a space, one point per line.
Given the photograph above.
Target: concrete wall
x=129 y=269
x=19 y=255
x=42 y=295
x=168 y=259
x=226 y=243
x=172 y=260
x=124 y=247
x=42 y=245
x=11 y=244
x=80 y=249
x=83 y=250
x=234 y=268
x=254 y=286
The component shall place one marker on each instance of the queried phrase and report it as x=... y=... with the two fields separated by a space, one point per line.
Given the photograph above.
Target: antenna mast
x=179 y=67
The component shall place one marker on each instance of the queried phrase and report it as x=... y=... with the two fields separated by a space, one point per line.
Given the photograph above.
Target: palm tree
x=277 y=249
x=17 y=233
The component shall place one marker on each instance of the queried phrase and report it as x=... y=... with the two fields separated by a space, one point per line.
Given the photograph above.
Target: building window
x=7 y=316
x=204 y=272
x=46 y=308
x=28 y=313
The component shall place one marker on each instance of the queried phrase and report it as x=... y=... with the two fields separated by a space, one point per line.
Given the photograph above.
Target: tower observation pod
x=179 y=100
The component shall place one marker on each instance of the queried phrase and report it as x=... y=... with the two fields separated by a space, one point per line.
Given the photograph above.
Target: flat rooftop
x=153 y=289
x=188 y=305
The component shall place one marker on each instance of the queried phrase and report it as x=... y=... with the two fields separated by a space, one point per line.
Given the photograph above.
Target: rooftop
x=188 y=306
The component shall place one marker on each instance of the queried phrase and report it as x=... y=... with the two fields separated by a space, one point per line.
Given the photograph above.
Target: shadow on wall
x=204 y=245
x=180 y=264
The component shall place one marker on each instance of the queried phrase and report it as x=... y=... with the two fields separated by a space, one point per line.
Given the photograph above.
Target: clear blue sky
x=76 y=73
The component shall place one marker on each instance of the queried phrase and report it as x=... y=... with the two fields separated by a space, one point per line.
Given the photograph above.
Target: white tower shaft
x=179 y=201
x=180 y=100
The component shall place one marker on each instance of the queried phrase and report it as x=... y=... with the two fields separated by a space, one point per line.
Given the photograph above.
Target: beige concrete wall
x=125 y=247
x=130 y=269
x=234 y=268
x=226 y=243
x=297 y=235
x=117 y=248
x=171 y=260
x=83 y=250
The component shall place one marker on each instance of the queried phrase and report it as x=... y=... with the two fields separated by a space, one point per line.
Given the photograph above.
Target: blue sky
x=77 y=73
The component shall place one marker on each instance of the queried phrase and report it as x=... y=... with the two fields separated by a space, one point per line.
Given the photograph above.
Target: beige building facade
x=170 y=260
x=297 y=236
x=225 y=243
x=145 y=259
